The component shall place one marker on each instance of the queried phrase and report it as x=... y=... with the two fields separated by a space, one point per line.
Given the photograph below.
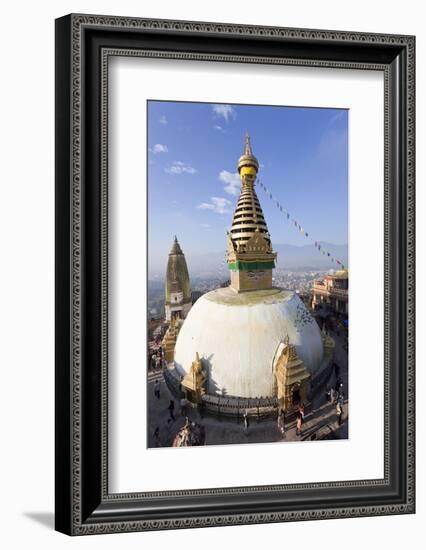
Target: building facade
x=332 y=291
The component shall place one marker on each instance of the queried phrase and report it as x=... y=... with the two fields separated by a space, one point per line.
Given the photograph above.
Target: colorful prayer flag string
x=298 y=226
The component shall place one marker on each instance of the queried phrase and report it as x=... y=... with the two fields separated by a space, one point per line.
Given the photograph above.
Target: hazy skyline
x=193 y=186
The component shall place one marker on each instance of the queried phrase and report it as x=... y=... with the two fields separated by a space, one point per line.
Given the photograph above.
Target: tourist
x=299 y=420
x=157 y=389
x=171 y=408
x=301 y=409
x=246 y=423
x=281 y=421
x=338 y=384
x=339 y=408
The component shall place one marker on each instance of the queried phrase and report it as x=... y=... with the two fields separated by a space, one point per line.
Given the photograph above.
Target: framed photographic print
x=216 y=188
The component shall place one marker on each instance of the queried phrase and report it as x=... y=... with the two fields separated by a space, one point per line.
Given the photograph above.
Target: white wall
x=26 y=314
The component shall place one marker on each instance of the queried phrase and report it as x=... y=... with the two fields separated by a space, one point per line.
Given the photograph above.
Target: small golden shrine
x=250 y=255
x=194 y=381
x=291 y=377
x=169 y=340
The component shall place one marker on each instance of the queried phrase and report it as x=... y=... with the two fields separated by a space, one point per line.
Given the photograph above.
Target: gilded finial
x=247 y=146
x=247 y=159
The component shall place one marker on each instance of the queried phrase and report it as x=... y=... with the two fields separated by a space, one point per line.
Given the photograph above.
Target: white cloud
x=163 y=120
x=179 y=167
x=159 y=148
x=232 y=181
x=220 y=205
x=205 y=225
x=218 y=128
x=227 y=112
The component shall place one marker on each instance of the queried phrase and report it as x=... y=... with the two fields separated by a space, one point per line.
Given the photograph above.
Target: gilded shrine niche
x=194 y=382
x=291 y=378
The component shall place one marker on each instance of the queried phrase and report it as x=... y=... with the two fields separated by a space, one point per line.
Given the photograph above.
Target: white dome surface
x=237 y=337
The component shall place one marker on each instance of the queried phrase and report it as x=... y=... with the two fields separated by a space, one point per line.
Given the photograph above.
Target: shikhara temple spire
x=176 y=249
x=178 y=289
x=250 y=255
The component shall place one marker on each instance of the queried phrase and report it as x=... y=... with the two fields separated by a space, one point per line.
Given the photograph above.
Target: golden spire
x=248 y=216
x=250 y=255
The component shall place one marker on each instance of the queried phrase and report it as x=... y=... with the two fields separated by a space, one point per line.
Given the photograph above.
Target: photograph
x=247 y=274
x=216 y=185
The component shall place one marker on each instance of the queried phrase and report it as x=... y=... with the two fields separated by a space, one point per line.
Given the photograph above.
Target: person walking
x=338 y=385
x=171 y=408
x=281 y=422
x=299 y=421
x=246 y=422
x=157 y=389
x=339 y=408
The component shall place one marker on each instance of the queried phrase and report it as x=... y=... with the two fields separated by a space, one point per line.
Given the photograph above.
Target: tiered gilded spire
x=250 y=255
x=248 y=216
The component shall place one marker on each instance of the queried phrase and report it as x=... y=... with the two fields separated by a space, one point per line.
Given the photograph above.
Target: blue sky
x=192 y=181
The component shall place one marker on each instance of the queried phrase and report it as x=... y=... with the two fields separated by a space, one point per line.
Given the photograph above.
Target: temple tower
x=250 y=255
x=178 y=289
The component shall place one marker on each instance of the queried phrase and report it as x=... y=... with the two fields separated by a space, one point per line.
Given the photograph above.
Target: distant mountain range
x=298 y=258
x=290 y=256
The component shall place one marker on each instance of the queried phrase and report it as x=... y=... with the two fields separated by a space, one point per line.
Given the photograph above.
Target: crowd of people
x=156 y=359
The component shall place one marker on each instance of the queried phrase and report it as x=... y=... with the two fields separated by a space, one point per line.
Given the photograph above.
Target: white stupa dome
x=237 y=336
